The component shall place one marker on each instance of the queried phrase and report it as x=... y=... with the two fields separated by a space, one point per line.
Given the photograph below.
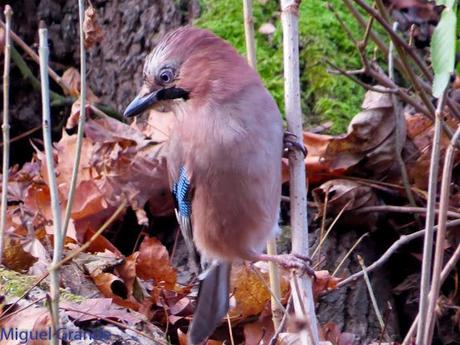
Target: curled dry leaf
x=347 y=195
x=116 y=160
x=129 y=164
x=153 y=263
x=324 y=282
x=420 y=133
x=113 y=287
x=250 y=293
x=92 y=29
x=15 y=257
x=72 y=77
x=367 y=148
x=127 y=271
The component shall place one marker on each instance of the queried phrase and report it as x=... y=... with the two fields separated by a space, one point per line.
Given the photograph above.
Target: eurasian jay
x=224 y=159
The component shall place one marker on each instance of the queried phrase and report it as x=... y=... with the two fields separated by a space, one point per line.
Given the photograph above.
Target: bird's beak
x=141 y=103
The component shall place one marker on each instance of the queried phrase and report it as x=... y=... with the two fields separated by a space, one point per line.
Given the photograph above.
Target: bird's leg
x=289 y=261
x=291 y=143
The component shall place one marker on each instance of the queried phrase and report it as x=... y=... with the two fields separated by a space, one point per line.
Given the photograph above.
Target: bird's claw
x=290 y=143
x=297 y=262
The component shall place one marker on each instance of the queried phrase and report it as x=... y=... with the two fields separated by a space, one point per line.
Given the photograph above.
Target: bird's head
x=191 y=65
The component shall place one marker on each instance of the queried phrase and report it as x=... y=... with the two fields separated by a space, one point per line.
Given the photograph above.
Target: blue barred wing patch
x=181 y=191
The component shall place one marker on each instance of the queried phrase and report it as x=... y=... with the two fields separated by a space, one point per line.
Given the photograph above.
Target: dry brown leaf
x=249 y=292
x=71 y=77
x=113 y=287
x=324 y=282
x=420 y=134
x=127 y=271
x=130 y=165
x=347 y=194
x=153 y=263
x=15 y=257
x=37 y=198
x=369 y=146
x=91 y=28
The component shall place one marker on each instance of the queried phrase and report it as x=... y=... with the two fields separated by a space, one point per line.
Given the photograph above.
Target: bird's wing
x=212 y=303
x=182 y=191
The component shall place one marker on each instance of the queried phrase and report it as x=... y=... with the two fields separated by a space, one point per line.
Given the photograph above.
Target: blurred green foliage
x=324 y=96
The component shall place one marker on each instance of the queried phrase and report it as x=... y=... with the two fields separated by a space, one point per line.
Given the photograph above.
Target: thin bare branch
x=249 y=33
x=81 y=122
x=429 y=221
x=55 y=206
x=400 y=209
x=441 y=235
x=5 y=127
x=400 y=133
x=404 y=239
x=298 y=188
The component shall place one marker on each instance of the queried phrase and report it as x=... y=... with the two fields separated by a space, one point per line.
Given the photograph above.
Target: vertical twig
x=429 y=221
x=298 y=188
x=400 y=133
x=81 y=121
x=275 y=286
x=440 y=236
x=249 y=33
x=55 y=207
x=273 y=270
x=5 y=126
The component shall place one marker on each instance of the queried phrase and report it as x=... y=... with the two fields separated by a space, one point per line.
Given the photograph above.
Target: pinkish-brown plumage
x=228 y=140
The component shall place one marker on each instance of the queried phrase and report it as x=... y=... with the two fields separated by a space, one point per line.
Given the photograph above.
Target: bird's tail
x=212 y=303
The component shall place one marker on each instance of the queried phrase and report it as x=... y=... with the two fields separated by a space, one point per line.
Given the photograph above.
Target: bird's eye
x=166 y=75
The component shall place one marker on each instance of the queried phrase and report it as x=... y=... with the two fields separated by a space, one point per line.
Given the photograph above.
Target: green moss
x=324 y=96
x=15 y=284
